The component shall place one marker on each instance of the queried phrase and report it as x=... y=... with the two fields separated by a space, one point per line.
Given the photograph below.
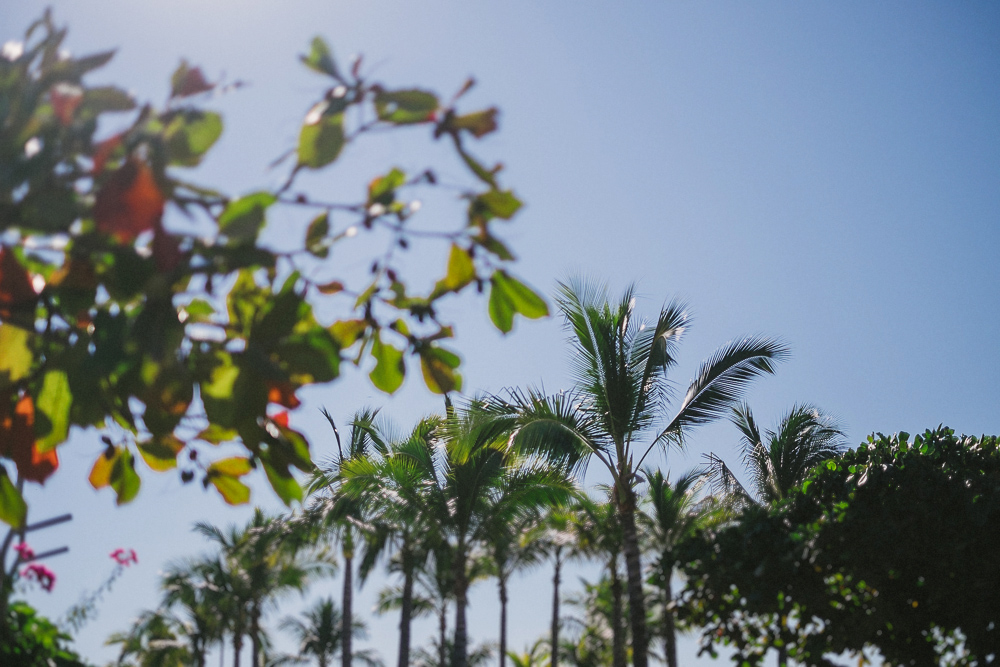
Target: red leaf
x=17 y=298
x=192 y=82
x=103 y=152
x=129 y=202
x=17 y=440
x=282 y=393
x=281 y=419
x=65 y=99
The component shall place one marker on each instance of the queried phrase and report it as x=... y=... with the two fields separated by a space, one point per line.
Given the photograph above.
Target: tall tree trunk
x=669 y=629
x=460 y=652
x=255 y=637
x=443 y=635
x=347 y=604
x=237 y=647
x=782 y=656
x=633 y=567
x=617 y=628
x=406 y=613
x=503 y=620
x=554 y=641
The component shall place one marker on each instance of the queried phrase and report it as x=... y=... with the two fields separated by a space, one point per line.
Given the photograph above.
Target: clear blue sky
x=825 y=172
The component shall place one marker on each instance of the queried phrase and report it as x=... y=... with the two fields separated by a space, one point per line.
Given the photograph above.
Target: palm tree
x=599 y=536
x=341 y=516
x=675 y=513
x=320 y=633
x=620 y=366
x=509 y=549
x=535 y=656
x=394 y=483
x=188 y=586
x=257 y=564
x=554 y=537
x=484 y=485
x=152 y=641
x=779 y=462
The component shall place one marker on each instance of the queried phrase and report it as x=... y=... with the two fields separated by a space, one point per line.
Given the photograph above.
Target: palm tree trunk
x=406 y=613
x=255 y=637
x=460 y=652
x=347 y=604
x=669 y=629
x=633 y=567
x=503 y=621
x=237 y=647
x=617 y=628
x=443 y=635
x=555 y=608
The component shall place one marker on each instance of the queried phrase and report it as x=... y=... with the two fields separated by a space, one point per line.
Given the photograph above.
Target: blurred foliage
x=30 y=640
x=892 y=546
x=170 y=338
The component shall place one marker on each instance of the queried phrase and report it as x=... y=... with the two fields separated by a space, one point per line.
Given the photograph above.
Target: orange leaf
x=281 y=419
x=129 y=202
x=283 y=393
x=17 y=434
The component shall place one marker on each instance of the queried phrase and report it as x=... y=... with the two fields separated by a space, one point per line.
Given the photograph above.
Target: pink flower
x=24 y=552
x=45 y=577
x=123 y=557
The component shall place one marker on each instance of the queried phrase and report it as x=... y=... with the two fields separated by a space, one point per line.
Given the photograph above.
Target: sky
x=827 y=173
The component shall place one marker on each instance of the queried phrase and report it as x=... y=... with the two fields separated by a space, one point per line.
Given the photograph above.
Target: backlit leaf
x=406 y=106
x=15 y=355
x=160 y=454
x=438 y=366
x=188 y=80
x=55 y=400
x=316 y=235
x=320 y=59
x=236 y=466
x=321 y=138
x=129 y=202
x=243 y=218
x=13 y=509
x=233 y=491
x=389 y=367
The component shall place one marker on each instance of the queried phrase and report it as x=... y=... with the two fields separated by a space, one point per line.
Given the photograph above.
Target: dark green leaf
x=243 y=218
x=406 y=106
x=321 y=138
x=316 y=235
x=320 y=59
x=13 y=509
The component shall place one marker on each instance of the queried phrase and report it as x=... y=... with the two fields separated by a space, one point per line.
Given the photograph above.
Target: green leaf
x=316 y=235
x=54 y=400
x=190 y=134
x=160 y=454
x=233 y=491
x=215 y=433
x=199 y=310
x=320 y=59
x=382 y=190
x=243 y=218
x=283 y=484
x=501 y=203
x=438 y=366
x=124 y=479
x=15 y=356
x=403 y=107
x=322 y=138
x=107 y=98
x=13 y=509
x=346 y=332
x=389 y=367
x=479 y=123
x=500 y=307
x=461 y=270
x=235 y=466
